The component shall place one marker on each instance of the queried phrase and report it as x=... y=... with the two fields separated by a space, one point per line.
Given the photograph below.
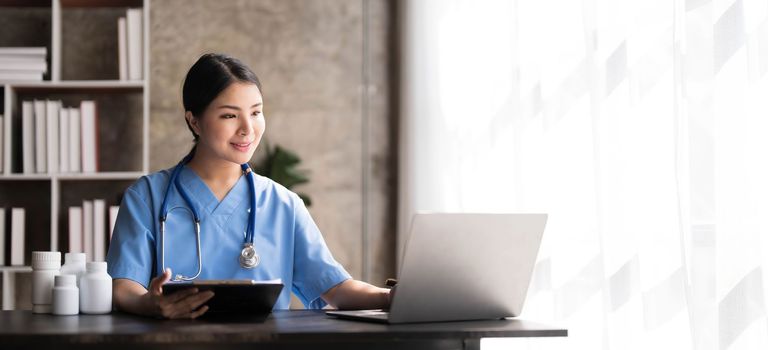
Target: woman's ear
x=193 y=122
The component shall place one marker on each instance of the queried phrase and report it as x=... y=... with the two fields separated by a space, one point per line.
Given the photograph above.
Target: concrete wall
x=316 y=61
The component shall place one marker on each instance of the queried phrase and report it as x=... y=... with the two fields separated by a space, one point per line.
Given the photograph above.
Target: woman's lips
x=242 y=147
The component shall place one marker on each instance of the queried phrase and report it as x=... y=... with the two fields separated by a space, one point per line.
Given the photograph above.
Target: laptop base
x=378 y=316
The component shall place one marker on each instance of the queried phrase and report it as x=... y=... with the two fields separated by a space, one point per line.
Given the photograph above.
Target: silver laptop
x=462 y=267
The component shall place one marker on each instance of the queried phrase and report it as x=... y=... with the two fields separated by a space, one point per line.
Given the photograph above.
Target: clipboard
x=234 y=296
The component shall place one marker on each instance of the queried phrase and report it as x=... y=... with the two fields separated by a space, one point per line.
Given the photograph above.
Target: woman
x=224 y=111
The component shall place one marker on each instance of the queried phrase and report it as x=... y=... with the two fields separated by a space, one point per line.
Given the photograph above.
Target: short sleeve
x=132 y=248
x=315 y=270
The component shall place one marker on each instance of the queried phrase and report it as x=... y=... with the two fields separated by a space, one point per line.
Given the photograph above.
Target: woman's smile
x=242 y=147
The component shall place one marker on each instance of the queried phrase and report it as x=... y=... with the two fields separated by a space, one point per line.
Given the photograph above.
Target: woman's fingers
x=189 y=307
x=199 y=312
x=181 y=304
x=192 y=315
x=193 y=302
x=156 y=285
x=174 y=297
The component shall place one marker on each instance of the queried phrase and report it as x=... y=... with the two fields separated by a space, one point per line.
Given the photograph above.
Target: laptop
x=459 y=267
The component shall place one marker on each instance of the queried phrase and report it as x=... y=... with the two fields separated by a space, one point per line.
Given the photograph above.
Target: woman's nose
x=246 y=126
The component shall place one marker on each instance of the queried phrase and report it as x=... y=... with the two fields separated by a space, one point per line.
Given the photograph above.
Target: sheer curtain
x=640 y=126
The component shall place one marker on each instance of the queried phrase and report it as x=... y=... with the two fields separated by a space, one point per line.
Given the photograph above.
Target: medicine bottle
x=74 y=264
x=45 y=266
x=66 y=299
x=96 y=289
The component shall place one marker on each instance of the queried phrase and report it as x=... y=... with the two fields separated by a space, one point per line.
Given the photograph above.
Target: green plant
x=279 y=164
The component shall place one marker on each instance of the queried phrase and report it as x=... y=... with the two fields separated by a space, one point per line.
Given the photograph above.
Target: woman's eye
x=256 y=113
x=229 y=116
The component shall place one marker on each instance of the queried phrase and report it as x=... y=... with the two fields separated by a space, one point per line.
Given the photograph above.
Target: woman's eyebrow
x=238 y=108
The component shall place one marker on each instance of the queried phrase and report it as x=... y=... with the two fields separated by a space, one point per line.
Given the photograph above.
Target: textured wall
x=310 y=58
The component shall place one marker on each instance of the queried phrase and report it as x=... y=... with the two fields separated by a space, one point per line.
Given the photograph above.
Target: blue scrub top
x=286 y=238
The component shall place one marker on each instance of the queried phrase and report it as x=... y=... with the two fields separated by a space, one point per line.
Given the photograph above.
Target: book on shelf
x=99 y=228
x=64 y=140
x=134 y=43
x=22 y=63
x=89 y=120
x=28 y=137
x=41 y=147
x=17 y=236
x=75 y=229
x=88 y=229
x=23 y=52
x=52 y=130
x=9 y=75
x=56 y=139
x=2 y=236
x=113 y=211
x=74 y=140
x=122 y=49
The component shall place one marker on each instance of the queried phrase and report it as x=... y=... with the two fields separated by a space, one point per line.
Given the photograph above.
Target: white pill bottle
x=96 y=289
x=65 y=295
x=45 y=266
x=74 y=264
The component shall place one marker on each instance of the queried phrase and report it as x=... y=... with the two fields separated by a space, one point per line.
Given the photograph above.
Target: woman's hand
x=357 y=295
x=182 y=304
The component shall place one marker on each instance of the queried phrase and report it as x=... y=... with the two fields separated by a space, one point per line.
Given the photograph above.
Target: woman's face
x=232 y=124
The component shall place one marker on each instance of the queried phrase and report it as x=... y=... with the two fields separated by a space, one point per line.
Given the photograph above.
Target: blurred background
x=638 y=126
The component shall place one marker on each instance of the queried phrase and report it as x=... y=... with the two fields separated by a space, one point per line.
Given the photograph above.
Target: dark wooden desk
x=281 y=330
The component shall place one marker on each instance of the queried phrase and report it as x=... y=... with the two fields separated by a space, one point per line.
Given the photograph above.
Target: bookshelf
x=81 y=41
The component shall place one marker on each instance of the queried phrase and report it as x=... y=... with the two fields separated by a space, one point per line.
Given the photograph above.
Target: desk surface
x=281 y=329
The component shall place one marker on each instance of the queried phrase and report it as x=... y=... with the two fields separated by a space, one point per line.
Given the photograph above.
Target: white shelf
x=15 y=269
x=123 y=175
x=59 y=187
x=78 y=84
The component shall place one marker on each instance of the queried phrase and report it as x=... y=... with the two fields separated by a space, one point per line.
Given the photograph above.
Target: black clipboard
x=234 y=296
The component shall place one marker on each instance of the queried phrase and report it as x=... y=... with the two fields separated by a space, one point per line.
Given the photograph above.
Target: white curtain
x=640 y=126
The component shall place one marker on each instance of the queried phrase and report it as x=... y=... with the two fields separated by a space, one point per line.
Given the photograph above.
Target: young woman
x=214 y=188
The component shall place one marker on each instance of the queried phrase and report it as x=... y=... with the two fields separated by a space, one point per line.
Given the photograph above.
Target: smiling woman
x=220 y=199
x=221 y=87
x=230 y=133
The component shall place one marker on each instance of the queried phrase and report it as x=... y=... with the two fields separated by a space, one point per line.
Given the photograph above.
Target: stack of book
x=23 y=64
x=88 y=228
x=56 y=139
x=130 y=40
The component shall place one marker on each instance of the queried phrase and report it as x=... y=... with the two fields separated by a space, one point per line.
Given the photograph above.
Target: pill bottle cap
x=65 y=280
x=46 y=260
x=96 y=266
x=74 y=257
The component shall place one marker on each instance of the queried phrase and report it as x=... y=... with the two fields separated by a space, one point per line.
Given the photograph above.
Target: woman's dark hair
x=208 y=77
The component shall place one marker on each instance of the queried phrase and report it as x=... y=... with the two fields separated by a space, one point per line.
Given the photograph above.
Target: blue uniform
x=286 y=238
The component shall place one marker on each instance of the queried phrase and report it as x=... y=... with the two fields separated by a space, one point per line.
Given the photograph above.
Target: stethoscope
x=248 y=257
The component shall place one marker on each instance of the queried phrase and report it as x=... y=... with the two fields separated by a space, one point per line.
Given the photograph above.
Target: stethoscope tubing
x=174 y=181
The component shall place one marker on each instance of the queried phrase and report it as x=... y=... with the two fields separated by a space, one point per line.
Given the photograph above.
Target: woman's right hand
x=185 y=303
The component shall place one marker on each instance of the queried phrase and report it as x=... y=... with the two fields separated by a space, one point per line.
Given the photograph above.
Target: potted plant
x=279 y=164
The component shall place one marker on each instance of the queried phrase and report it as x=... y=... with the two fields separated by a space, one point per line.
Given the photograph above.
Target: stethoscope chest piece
x=248 y=257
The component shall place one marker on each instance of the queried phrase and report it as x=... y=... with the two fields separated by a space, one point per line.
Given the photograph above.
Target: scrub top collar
x=204 y=198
